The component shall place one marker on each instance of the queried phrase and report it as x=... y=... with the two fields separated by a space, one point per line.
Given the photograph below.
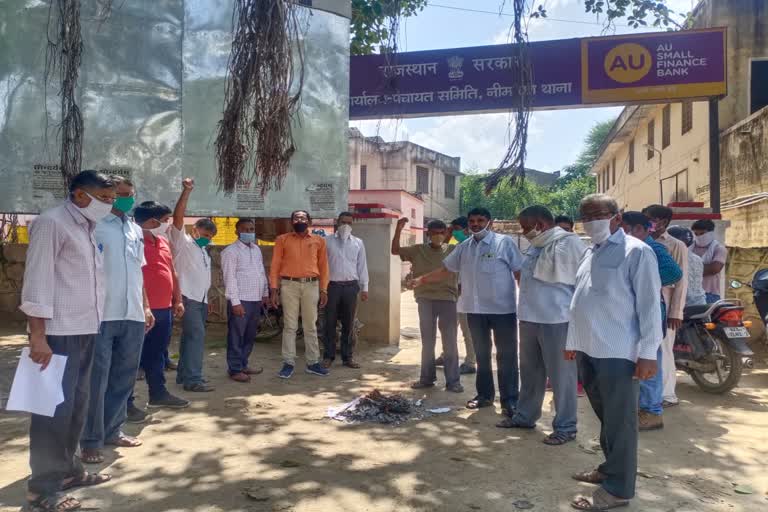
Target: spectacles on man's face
x=596 y=215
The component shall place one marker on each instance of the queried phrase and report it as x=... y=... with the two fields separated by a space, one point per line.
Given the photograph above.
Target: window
x=675 y=188
x=632 y=156
x=613 y=172
x=687 y=117
x=363 y=177
x=758 y=94
x=666 y=120
x=422 y=180
x=450 y=186
x=651 y=136
x=599 y=184
x=607 y=178
x=413 y=213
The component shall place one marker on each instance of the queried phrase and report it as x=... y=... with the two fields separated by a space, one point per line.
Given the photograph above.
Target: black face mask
x=300 y=227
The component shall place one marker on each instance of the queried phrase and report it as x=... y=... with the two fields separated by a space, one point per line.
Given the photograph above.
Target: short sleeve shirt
x=158 y=272
x=542 y=302
x=425 y=259
x=711 y=283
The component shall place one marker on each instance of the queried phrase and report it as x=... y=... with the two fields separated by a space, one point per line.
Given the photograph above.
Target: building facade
x=434 y=177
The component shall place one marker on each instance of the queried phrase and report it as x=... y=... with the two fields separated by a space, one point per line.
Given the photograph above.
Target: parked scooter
x=711 y=344
x=759 y=288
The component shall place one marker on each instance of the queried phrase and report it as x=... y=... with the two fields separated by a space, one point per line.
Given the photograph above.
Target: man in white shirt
x=63 y=298
x=713 y=254
x=246 y=290
x=547 y=281
x=193 y=266
x=614 y=334
x=349 y=277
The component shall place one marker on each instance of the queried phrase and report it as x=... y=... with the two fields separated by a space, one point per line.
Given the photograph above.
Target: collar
x=111 y=217
x=649 y=240
x=249 y=246
x=618 y=237
x=74 y=210
x=297 y=235
x=664 y=236
x=486 y=240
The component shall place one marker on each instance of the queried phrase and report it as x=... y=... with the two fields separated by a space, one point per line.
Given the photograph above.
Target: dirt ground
x=271 y=439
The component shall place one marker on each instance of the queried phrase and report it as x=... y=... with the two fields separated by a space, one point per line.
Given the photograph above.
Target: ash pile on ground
x=376 y=407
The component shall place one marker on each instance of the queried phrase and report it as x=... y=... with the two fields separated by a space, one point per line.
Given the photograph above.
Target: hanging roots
x=63 y=54
x=512 y=166
x=254 y=140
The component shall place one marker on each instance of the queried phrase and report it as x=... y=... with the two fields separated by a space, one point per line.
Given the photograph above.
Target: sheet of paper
x=35 y=391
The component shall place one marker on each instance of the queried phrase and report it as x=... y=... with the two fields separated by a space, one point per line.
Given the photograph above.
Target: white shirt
x=244 y=276
x=64 y=274
x=346 y=260
x=539 y=301
x=193 y=265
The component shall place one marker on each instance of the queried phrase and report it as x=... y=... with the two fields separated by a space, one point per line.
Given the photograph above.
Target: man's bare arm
x=396 y=239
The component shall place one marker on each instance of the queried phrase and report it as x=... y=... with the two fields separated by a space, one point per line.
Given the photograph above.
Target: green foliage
x=636 y=12
x=372 y=22
x=562 y=198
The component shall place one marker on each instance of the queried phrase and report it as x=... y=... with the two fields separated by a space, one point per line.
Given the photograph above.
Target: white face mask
x=705 y=239
x=345 y=231
x=160 y=230
x=598 y=230
x=479 y=235
x=96 y=210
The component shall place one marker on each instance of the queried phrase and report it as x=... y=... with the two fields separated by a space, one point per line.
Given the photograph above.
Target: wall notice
x=47 y=179
x=248 y=199
x=321 y=197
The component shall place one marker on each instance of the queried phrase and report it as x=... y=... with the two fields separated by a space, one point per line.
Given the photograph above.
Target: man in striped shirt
x=618 y=277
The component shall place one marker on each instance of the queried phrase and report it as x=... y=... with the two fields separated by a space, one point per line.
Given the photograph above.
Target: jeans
x=241 y=335
x=342 y=304
x=442 y=314
x=115 y=363
x=504 y=329
x=53 y=441
x=712 y=298
x=652 y=390
x=153 y=354
x=541 y=356
x=613 y=392
x=300 y=299
x=192 y=346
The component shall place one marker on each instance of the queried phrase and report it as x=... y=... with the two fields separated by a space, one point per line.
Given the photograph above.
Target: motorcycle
x=711 y=344
x=759 y=287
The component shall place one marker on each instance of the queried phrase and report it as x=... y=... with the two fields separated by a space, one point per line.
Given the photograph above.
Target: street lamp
x=657 y=150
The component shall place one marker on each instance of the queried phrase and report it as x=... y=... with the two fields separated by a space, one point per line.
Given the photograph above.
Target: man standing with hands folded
x=614 y=334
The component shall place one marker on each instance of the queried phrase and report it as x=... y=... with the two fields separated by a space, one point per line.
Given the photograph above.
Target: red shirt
x=158 y=272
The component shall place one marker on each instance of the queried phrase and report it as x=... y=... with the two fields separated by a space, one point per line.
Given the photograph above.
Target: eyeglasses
x=597 y=216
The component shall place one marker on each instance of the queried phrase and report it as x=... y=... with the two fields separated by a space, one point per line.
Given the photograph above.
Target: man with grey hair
x=619 y=278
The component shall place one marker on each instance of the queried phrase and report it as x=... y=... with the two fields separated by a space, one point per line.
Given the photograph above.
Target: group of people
x=103 y=289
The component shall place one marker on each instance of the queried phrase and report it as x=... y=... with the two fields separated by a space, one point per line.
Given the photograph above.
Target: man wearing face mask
x=193 y=266
x=63 y=299
x=713 y=254
x=246 y=290
x=127 y=316
x=437 y=304
x=547 y=282
x=299 y=273
x=487 y=266
x=165 y=300
x=674 y=296
x=614 y=332
x=349 y=276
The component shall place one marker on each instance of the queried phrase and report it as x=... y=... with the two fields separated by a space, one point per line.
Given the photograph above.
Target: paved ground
x=271 y=438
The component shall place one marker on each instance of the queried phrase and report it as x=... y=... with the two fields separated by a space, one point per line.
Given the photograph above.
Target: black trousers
x=504 y=330
x=342 y=305
x=53 y=442
x=613 y=393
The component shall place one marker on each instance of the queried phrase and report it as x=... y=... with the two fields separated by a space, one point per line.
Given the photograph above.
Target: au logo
x=628 y=63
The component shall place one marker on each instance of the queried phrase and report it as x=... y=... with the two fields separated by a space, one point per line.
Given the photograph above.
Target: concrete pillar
x=381 y=314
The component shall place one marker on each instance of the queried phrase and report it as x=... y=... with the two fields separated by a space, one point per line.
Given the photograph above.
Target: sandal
x=253 y=371
x=559 y=438
x=479 y=402
x=600 y=501
x=420 y=384
x=86 y=480
x=513 y=423
x=240 y=377
x=53 y=504
x=351 y=363
x=593 y=476
x=91 y=456
x=124 y=441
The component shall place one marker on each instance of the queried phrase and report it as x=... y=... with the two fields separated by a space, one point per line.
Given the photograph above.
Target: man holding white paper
x=63 y=298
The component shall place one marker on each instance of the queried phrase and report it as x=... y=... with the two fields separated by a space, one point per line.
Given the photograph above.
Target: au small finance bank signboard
x=567 y=73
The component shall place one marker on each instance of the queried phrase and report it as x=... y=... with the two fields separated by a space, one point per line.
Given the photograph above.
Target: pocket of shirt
x=135 y=249
x=609 y=272
x=490 y=265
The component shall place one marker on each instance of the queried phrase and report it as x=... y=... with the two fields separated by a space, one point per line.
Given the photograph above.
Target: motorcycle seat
x=692 y=311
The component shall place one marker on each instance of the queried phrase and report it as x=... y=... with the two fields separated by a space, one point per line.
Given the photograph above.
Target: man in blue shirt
x=614 y=333
x=121 y=334
x=547 y=282
x=652 y=390
x=487 y=263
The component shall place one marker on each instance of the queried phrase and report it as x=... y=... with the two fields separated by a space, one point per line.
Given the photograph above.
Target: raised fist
x=188 y=183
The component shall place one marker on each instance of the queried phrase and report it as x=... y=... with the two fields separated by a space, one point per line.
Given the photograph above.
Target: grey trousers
x=541 y=356
x=469 y=347
x=53 y=441
x=442 y=314
x=613 y=393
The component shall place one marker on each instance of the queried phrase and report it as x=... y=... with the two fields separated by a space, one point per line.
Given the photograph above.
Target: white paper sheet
x=35 y=391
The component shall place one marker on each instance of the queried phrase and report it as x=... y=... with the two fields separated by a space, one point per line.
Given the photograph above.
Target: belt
x=343 y=283
x=300 y=279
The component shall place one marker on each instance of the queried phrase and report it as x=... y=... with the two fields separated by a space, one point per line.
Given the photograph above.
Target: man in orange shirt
x=300 y=273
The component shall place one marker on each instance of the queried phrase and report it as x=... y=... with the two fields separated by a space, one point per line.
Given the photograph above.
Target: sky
x=555 y=137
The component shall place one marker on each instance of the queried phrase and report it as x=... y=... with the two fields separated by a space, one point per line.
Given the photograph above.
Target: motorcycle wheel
x=728 y=376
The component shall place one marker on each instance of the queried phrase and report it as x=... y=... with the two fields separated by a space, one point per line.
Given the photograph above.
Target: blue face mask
x=247 y=238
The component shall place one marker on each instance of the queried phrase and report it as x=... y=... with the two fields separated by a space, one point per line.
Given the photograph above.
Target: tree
x=375 y=22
